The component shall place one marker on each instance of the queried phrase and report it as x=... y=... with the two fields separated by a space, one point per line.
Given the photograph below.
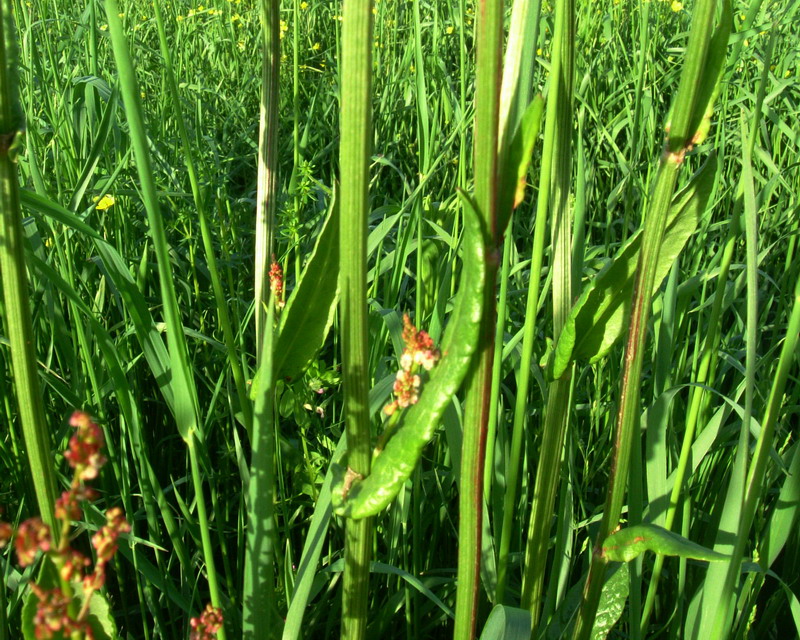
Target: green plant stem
x=685 y=121
x=626 y=433
x=267 y=180
x=205 y=533
x=258 y=595
x=15 y=283
x=696 y=400
x=559 y=120
x=476 y=410
x=356 y=142
x=182 y=377
x=497 y=369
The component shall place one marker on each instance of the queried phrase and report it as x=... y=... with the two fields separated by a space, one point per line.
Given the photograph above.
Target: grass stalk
x=258 y=594
x=548 y=477
x=354 y=154
x=267 y=180
x=15 y=282
x=682 y=129
x=182 y=377
x=476 y=411
x=205 y=231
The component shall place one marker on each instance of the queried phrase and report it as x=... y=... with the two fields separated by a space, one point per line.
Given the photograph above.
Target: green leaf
x=308 y=314
x=507 y=623
x=99 y=614
x=514 y=173
x=56 y=212
x=627 y=544
x=712 y=75
x=599 y=317
x=397 y=461
x=612 y=601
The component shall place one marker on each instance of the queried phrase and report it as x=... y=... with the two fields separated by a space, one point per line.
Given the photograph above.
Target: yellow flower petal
x=106 y=202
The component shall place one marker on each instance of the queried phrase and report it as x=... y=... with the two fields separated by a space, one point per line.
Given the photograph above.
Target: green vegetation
x=400 y=319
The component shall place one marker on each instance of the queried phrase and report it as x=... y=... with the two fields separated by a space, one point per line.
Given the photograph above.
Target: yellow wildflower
x=676 y=6
x=106 y=202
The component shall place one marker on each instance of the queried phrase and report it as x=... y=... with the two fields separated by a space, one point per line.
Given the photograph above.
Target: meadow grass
x=148 y=308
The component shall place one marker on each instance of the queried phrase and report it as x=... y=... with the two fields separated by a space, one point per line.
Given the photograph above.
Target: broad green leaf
x=99 y=614
x=515 y=169
x=599 y=317
x=507 y=623
x=397 y=461
x=308 y=314
x=626 y=544
x=612 y=601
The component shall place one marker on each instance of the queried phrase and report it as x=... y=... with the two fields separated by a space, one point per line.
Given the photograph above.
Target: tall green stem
x=182 y=376
x=259 y=613
x=15 y=283
x=266 y=197
x=354 y=154
x=685 y=121
x=205 y=231
x=559 y=130
x=476 y=411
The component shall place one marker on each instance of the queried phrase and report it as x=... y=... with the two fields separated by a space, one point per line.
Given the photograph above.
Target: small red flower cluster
x=206 y=626
x=418 y=352
x=55 y=612
x=276 y=283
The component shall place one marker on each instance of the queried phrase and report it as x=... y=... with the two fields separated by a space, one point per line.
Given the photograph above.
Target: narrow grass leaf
x=513 y=175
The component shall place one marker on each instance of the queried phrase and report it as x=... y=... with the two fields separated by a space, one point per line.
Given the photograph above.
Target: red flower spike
x=206 y=626
x=276 y=283
x=84 y=454
x=419 y=351
x=6 y=531
x=33 y=535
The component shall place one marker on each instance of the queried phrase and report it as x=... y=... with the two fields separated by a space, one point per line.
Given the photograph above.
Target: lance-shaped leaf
x=599 y=317
x=627 y=544
x=309 y=311
x=515 y=168
x=368 y=496
x=712 y=75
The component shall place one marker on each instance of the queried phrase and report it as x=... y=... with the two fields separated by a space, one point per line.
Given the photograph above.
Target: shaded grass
x=217 y=65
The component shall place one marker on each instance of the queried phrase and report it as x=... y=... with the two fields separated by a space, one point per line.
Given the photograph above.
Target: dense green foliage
x=98 y=308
